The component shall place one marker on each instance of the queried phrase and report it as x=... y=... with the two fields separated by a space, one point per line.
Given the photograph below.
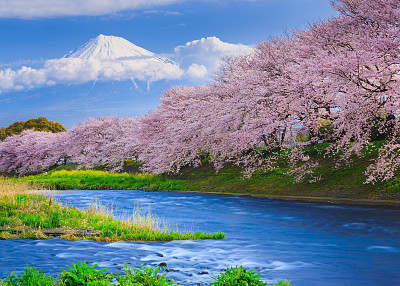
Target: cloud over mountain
x=102 y=58
x=110 y=58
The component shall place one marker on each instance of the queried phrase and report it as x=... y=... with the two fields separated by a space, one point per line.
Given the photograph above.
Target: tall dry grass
x=9 y=187
x=11 y=191
x=12 y=187
x=137 y=221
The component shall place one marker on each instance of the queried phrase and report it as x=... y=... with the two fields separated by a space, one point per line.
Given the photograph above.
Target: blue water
x=309 y=244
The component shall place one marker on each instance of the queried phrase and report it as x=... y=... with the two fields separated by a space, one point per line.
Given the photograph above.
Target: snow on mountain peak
x=111 y=48
x=110 y=57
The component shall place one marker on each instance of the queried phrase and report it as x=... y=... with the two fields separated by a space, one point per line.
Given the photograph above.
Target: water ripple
x=310 y=244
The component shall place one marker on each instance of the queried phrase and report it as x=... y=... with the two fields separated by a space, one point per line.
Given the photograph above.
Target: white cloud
x=162 y=12
x=207 y=52
x=54 y=8
x=75 y=71
x=197 y=71
x=25 y=77
x=198 y=59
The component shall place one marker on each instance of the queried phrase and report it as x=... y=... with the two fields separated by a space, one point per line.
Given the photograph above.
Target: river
x=310 y=244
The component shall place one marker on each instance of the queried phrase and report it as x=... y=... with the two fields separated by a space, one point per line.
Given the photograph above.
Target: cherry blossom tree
x=230 y=119
x=353 y=61
x=102 y=141
x=175 y=133
x=337 y=79
x=28 y=152
x=97 y=141
x=342 y=73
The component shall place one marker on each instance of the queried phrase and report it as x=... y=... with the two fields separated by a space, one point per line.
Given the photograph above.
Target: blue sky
x=34 y=31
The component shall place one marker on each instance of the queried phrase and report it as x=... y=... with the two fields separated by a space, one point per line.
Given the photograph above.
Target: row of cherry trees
x=337 y=80
x=96 y=141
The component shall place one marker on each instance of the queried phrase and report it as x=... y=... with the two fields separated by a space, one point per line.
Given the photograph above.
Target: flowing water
x=309 y=244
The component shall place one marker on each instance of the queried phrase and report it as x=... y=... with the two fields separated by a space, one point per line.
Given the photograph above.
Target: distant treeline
x=37 y=124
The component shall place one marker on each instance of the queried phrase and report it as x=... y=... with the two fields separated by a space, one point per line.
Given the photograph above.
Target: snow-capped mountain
x=107 y=48
x=114 y=58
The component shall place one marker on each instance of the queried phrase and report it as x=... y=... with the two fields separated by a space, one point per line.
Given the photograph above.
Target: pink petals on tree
x=336 y=81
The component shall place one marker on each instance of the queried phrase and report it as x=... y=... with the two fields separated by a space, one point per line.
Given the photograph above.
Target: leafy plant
x=54 y=219
x=82 y=274
x=238 y=276
x=283 y=283
x=143 y=277
x=30 y=277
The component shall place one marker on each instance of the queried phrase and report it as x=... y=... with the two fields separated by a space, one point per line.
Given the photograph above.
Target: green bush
x=82 y=274
x=30 y=277
x=283 y=283
x=143 y=277
x=238 y=276
x=37 y=124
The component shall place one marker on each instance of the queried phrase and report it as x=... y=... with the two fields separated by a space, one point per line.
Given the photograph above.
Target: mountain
x=107 y=76
x=108 y=48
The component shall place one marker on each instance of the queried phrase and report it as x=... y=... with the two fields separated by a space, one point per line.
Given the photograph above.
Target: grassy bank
x=24 y=214
x=103 y=180
x=82 y=274
x=345 y=182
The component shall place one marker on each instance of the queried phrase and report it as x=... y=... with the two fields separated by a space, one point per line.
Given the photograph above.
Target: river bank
x=310 y=244
x=386 y=204
x=36 y=215
x=341 y=186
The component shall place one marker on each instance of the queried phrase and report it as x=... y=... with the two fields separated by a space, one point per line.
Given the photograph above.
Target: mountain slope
x=113 y=48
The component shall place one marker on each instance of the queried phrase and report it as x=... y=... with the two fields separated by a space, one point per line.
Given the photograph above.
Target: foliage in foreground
x=81 y=274
x=238 y=276
x=143 y=277
x=30 y=212
x=30 y=277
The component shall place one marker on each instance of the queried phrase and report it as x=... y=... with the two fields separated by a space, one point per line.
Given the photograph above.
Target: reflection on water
x=307 y=243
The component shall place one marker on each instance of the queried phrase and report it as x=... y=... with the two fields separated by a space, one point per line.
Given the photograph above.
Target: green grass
x=344 y=182
x=31 y=212
x=30 y=277
x=103 y=180
x=80 y=274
